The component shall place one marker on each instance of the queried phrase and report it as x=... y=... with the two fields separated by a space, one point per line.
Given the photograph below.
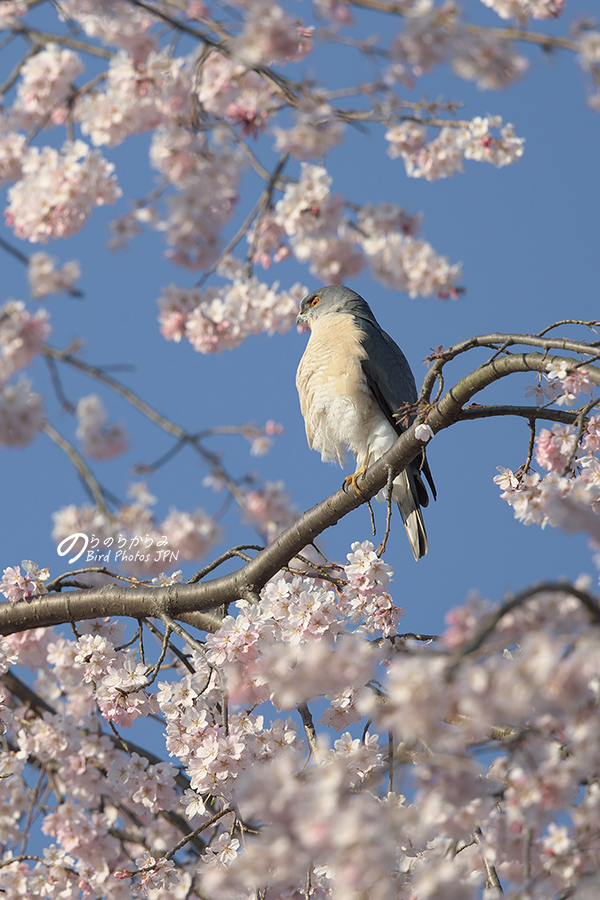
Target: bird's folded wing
x=389 y=377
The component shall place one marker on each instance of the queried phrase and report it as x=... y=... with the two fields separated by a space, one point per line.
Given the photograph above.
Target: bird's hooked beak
x=302 y=323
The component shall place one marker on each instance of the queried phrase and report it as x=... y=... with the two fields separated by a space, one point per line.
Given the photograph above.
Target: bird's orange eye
x=315 y=300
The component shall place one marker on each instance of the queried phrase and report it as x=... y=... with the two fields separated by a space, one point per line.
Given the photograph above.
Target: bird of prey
x=354 y=384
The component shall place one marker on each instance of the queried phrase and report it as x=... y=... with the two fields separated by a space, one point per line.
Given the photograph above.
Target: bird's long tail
x=405 y=495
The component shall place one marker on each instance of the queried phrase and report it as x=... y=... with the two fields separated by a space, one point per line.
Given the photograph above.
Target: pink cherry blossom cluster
x=219 y=319
x=566 y=382
x=17 y=585
x=589 y=49
x=99 y=440
x=526 y=9
x=316 y=131
x=489 y=61
x=268 y=509
x=569 y=495
x=383 y=236
x=45 y=278
x=22 y=336
x=556 y=450
x=115 y=23
x=427 y=36
x=47 y=81
x=312 y=217
x=301 y=617
x=138 y=97
x=433 y=35
x=10 y=11
x=571 y=502
x=229 y=90
x=271 y=36
x=442 y=710
x=136 y=534
x=443 y=156
x=197 y=213
x=525 y=691
x=269 y=243
x=21 y=414
x=227 y=85
x=58 y=191
x=12 y=148
x=365 y=597
x=262 y=443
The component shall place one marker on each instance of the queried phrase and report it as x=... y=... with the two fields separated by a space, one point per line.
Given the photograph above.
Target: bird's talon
x=352 y=480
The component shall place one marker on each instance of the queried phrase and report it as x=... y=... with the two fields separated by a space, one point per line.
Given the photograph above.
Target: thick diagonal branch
x=189 y=602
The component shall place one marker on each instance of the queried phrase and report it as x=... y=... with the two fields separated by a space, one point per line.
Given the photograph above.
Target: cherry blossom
x=22 y=336
x=197 y=213
x=12 y=148
x=192 y=534
x=99 y=440
x=524 y=9
x=314 y=134
x=227 y=88
x=566 y=383
x=133 y=537
x=137 y=97
x=116 y=23
x=45 y=278
x=554 y=449
x=491 y=63
x=269 y=509
x=58 y=190
x=443 y=156
x=22 y=586
x=220 y=319
x=589 y=49
x=428 y=36
x=423 y=432
x=47 y=80
x=268 y=243
x=21 y=414
x=11 y=10
x=270 y=36
x=410 y=265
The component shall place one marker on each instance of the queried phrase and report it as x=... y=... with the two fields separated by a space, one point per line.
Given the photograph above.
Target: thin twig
x=84 y=471
x=388 y=520
x=491 y=876
x=229 y=554
x=530 y=446
x=264 y=204
x=372 y=515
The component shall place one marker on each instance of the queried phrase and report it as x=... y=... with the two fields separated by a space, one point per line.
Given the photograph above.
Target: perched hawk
x=353 y=380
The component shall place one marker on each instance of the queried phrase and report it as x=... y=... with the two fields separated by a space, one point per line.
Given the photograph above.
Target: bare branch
x=83 y=469
x=565 y=416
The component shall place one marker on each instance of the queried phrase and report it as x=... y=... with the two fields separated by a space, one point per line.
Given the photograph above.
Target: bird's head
x=335 y=298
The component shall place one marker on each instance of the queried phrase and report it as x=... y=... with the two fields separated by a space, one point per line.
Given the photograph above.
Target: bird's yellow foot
x=352 y=480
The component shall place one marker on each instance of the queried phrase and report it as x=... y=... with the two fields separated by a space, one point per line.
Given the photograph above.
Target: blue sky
x=527 y=236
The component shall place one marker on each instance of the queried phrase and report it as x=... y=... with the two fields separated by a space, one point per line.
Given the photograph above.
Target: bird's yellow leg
x=352 y=479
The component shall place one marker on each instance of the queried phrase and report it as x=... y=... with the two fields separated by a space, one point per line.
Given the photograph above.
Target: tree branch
x=565 y=416
x=187 y=602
